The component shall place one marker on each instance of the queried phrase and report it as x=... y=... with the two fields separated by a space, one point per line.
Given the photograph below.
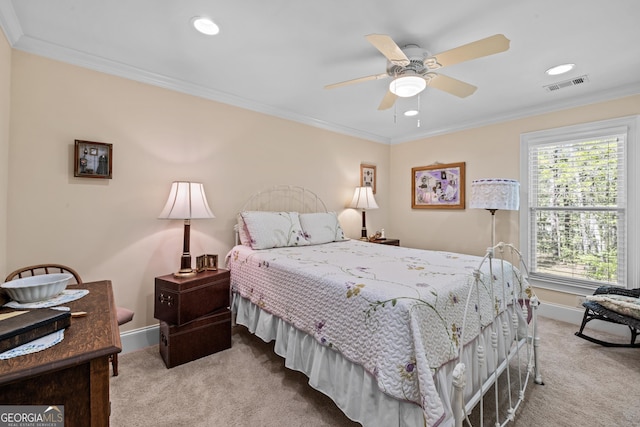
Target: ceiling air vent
x=561 y=85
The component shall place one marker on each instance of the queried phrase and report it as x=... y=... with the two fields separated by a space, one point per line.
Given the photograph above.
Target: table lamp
x=186 y=201
x=363 y=199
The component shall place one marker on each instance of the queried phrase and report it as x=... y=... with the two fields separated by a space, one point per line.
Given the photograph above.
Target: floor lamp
x=186 y=201
x=493 y=194
x=363 y=199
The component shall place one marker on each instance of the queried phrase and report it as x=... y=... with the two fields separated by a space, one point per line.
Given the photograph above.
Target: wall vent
x=561 y=85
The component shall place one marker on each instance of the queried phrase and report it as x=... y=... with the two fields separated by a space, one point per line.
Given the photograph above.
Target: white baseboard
x=137 y=339
x=575 y=315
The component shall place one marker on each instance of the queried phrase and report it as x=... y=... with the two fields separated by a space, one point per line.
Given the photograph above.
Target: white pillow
x=322 y=227
x=273 y=229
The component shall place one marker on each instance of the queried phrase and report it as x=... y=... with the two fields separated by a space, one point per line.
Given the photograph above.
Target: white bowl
x=37 y=288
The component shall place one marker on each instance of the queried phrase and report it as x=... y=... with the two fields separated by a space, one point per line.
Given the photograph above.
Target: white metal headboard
x=282 y=198
x=285 y=198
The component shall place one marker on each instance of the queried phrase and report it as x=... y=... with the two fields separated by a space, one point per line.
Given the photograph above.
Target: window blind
x=577 y=203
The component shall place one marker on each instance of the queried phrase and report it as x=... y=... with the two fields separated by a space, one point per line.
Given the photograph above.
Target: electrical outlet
x=580 y=300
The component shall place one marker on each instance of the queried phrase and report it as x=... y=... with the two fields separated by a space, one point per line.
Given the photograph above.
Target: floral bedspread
x=396 y=311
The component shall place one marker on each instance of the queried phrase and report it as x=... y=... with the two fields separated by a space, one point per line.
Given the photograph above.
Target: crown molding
x=17 y=39
x=9 y=22
x=607 y=95
x=107 y=66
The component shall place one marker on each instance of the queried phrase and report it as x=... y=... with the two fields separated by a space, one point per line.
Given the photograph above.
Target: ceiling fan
x=412 y=68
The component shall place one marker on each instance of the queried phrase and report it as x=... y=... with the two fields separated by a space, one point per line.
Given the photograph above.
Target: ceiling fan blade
x=450 y=85
x=388 y=101
x=488 y=46
x=358 y=80
x=388 y=48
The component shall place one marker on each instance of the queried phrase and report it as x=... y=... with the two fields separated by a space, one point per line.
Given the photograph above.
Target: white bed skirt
x=353 y=389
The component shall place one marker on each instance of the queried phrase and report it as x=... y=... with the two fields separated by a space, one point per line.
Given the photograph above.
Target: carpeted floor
x=247 y=385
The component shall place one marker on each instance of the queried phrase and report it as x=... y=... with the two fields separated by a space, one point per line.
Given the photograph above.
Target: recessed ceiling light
x=205 y=25
x=411 y=113
x=560 y=69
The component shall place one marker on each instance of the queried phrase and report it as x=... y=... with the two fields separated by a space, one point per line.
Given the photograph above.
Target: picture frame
x=206 y=262
x=439 y=186
x=93 y=159
x=368 y=176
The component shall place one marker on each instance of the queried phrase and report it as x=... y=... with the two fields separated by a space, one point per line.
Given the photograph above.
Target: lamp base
x=185 y=260
x=185 y=273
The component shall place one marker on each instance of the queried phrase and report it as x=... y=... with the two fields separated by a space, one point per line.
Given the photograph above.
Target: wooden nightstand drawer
x=181 y=300
x=391 y=242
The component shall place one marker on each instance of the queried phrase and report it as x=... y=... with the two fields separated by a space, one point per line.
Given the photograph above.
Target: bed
x=395 y=336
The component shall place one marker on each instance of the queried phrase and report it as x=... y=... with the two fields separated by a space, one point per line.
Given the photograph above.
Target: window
x=578 y=218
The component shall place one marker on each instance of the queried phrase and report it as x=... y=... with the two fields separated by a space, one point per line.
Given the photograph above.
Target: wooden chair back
x=34 y=270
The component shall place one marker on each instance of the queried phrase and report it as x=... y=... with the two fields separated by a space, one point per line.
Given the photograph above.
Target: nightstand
x=391 y=242
x=195 y=320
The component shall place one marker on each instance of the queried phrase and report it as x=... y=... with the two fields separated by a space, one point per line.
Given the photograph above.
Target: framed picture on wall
x=368 y=176
x=92 y=159
x=438 y=186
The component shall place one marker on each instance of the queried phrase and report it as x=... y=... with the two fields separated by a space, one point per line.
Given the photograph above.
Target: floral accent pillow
x=628 y=306
x=322 y=227
x=243 y=233
x=273 y=229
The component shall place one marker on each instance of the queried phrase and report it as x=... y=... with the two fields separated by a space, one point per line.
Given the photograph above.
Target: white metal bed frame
x=523 y=349
x=524 y=346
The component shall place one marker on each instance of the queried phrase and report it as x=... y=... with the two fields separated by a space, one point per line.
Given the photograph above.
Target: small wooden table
x=390 y=242
x=75 y=372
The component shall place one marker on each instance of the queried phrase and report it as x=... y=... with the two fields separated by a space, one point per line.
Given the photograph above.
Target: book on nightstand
x=19 y=327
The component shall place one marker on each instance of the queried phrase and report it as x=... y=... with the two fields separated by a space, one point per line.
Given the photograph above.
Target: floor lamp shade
x=494 y=194
x=363 y=199
x=186 y=201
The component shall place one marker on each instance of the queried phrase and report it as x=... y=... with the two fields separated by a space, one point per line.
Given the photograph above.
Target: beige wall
x=490 y=151
x=107 y=229
x=5 y=102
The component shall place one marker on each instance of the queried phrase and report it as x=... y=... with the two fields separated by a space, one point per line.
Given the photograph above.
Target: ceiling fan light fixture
x=411 y=113
x=560 y=69
x=205 y=25
x=407 y=86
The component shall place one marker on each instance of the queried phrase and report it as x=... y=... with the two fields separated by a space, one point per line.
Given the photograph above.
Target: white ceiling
x=276 y=56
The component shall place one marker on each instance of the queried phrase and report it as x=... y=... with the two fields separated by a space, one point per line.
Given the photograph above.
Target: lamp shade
x=407 y=86
x=186 y=201
x=363 y=199
x=495 y=193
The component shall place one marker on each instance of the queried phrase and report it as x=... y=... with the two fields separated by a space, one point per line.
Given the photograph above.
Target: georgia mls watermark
x=31 y=416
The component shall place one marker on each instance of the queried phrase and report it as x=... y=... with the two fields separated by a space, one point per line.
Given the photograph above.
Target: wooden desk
x=75 y=372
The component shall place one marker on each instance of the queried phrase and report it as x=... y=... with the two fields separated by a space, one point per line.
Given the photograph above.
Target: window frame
x=629 y=125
